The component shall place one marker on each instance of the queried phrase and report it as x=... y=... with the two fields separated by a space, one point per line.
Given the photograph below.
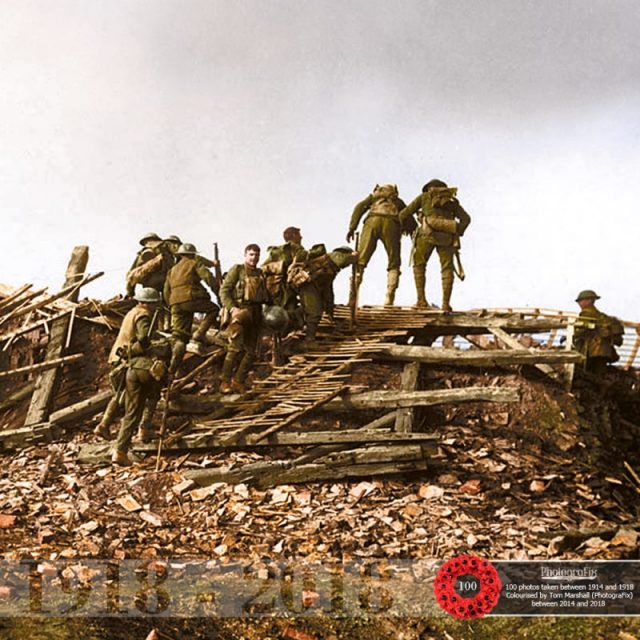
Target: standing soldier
x=242 y=294
x=185 y=295
x=442 y=221
x=148 y=301
x=596 y=334
x=146 y=368
x=382 y=223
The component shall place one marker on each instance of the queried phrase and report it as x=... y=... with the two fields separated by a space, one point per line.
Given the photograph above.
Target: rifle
x=353 y=289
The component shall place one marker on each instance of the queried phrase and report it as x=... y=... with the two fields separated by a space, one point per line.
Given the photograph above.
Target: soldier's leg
x=421 y=253
x=391 y=234
x=235 y=350
x=145 y=431
x=114 y=408
x=367 y=245
x=211 y=310
x=250 y=337
x=446 y=270
x=312 y=305
x=135 y=398
x=181 y=322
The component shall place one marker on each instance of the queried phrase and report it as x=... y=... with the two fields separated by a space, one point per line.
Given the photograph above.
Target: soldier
x=313 y=279
x=596 y=334
x=275 y=269
x=442 y=221
x=324 y=268
x=150 y=266
x=242 y=294
x=382 y=223
x=185 y=295
x=146 y=368
x=118 y=360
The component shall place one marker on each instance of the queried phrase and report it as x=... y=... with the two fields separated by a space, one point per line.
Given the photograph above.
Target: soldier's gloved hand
x=460 y=229
x=350 y=236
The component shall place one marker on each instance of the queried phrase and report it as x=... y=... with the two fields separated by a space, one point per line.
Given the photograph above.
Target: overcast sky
x=229 y=120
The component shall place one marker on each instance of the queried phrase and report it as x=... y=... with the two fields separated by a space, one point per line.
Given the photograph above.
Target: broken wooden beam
x=397 y=399
x=42 y=398
x=42 y=366
x=473 y=358
x=513 y=343
x=17 y=396
x=11 y=439
x=197 y=440
x=272 y=473
x=81 y=410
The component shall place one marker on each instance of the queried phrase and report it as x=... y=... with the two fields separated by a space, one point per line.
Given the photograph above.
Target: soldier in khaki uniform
x=382 y=223
x=441 y=223
x=242 y=294
x=275 y=269
x=146 y=367
x=150 y=266
x=185 y=295
x=313 y=279
x=596 y=334
x=148 y=300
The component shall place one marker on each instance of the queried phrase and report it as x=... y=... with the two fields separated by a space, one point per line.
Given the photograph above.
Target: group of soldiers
x=290 y=291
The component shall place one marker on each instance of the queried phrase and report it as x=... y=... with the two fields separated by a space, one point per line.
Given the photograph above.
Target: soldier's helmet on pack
x=587 y=294
x=433 y=183
x=316 y=251
x=274 y=317
x=187 y=249
x=148 y=237
x=174 y=239
x=147 y=294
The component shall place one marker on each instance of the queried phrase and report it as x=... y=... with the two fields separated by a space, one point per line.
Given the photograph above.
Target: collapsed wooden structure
x=320 y=380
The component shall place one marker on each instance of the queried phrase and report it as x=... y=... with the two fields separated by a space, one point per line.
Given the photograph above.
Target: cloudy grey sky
x=229 y=120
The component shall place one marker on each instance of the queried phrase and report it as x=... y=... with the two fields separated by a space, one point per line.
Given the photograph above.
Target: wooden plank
x=408 y=382
x=512 y=342
x=272 y=473
x=487 y=358
x=319 y=472
x=17 y=396
x=42 y=366
x=81 y=410
x=4 y=303
x=298 y=439
x=397 y=399
x=42 y=398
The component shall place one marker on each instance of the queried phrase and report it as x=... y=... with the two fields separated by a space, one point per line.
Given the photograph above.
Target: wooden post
x=569 y=369
x=42 y=397
x=408 y=382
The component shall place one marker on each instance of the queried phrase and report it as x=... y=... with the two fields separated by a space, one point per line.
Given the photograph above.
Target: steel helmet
x=274 y=317
x=587 y=294
x=150 y=236
x=187 y=249
x=147 y=294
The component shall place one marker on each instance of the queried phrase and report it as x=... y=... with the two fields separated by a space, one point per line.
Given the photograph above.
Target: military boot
x=120 y=458
x=393 y=278
x=145 y=430
x=227 y=370
x=108 y=418
x=203 y=327
x=310 y=341
x=177 y=354
x=238 y=382
x=447 y=288
x=420 y=279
